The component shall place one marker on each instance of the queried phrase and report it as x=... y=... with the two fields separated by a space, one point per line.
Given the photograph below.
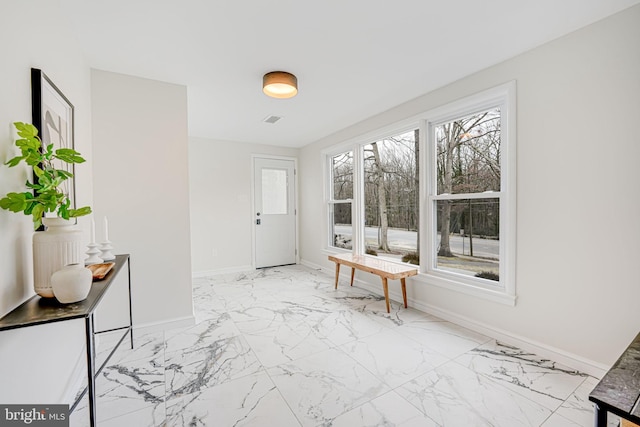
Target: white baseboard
x=180 y=322
x=314 y=266
x=206 y=273
x=574 y=361
x=541 y=349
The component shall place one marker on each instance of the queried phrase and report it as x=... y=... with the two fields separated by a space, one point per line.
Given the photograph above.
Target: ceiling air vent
x=272 y=119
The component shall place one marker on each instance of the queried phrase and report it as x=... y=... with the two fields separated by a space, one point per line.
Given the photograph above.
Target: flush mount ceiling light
x=280 y=84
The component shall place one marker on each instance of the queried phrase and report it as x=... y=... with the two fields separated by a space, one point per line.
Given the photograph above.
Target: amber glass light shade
x=280 y=84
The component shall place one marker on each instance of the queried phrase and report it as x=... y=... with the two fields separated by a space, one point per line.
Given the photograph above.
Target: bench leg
x=404 y=291
x=353 y=273
x=385 y=287
x=337 y=273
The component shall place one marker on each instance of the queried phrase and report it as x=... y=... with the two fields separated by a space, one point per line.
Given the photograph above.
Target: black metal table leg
x=130 y=309
x=600 y=417
x=91 y=369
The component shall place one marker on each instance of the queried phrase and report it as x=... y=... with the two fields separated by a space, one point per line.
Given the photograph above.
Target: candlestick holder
x=93 y=254
x=106 y=248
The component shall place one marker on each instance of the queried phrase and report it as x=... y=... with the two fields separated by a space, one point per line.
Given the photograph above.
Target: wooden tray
x=100 y=270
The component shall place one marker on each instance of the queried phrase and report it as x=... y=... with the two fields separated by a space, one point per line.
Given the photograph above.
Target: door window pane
x=274 y=191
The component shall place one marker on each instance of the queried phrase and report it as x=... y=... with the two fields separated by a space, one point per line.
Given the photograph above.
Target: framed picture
x=52 y=114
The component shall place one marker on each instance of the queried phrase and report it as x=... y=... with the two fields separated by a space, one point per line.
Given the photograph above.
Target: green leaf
x=37 y=210
x=85 y=210
x=50 y=200
x=62 y=210
x=39 y=172
x=28 y=144
x=37 y=213
x=33 y=159
x=30 y=205
x=15 y=161
x=26 y=130
x=63 y=174
x=44 y=180
x=69 y=155
x=14 y=202
x=33 y=186
x=19 y=126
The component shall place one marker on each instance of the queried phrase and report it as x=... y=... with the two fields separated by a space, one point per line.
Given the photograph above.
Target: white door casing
x=274 y=218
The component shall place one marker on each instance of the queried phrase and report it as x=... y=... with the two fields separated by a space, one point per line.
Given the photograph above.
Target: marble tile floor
x=280 y=347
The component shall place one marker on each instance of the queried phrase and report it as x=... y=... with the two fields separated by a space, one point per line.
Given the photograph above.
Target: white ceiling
x=353 y=58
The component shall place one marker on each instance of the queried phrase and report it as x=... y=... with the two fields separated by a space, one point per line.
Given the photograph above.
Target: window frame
x=390 y=132
x=504 y=97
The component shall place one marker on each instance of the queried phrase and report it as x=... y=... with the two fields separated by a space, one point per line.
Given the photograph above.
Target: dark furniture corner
x=619 y=390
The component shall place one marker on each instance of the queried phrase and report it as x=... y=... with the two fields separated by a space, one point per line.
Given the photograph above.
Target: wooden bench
x=385 y=269
x=619 y=390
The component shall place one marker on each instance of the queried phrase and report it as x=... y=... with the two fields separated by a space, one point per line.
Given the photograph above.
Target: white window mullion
x=430 y=186
x=425 y=212
x=358 y=207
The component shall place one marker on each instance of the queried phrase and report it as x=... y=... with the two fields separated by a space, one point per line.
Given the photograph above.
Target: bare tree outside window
x=468 y=163
x=391 y=197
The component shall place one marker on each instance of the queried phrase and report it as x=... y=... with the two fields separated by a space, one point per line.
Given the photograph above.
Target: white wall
x=221 y=217
x=141 y=184
x=33 y=34
x=578 y=206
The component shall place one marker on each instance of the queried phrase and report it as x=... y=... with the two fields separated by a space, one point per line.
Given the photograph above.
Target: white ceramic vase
x=71 y=283
x=59 y=245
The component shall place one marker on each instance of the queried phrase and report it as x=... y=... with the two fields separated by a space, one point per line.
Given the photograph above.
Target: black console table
x=619 y=390
x=38 y=311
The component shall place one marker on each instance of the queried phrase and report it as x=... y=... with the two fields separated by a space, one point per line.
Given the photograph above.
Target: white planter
x=59 y=245
x=72 y=283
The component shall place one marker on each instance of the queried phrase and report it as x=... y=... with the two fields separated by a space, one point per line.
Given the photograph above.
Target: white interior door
x=275 y=213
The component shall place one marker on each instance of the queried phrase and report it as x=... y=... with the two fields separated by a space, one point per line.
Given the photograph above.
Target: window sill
x=335 y=251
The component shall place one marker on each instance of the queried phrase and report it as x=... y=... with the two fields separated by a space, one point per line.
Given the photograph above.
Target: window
x=471 y=194
x=340 y=199
x=458 y=163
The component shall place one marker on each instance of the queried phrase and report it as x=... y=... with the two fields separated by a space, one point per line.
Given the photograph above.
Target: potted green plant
x=47 y=195
x=61 y=243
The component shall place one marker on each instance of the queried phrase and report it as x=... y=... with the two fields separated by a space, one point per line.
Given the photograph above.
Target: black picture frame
x=53 y=115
